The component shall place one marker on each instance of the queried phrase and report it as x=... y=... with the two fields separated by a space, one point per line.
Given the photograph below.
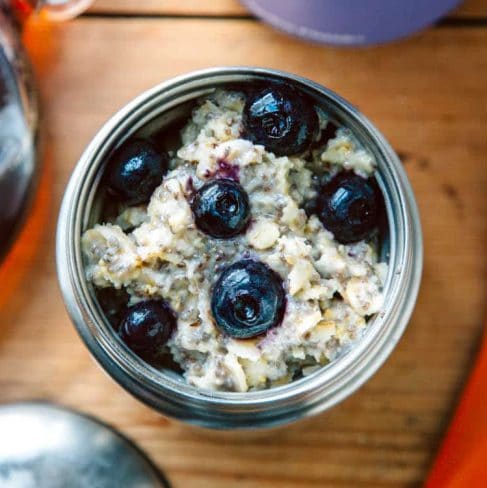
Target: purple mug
x=350 y=22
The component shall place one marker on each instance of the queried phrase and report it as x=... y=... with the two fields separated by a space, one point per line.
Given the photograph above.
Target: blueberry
x=135 y=171
x=348 y=206
x=280 y=119
x=221 y=208
x=248 y=299
x=113 y=303
x=146 y=327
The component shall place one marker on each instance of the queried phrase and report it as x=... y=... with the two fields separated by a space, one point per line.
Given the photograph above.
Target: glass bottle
x=18 y=111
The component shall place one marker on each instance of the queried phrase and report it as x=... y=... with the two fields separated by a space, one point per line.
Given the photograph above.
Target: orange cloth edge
x=462 y=459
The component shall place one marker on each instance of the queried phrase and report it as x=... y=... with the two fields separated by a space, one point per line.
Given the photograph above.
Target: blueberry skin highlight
x=146 y=327
x=221 y=208
x=135 y=171
x=248 y=299
x=280 y=119
x=349 y=206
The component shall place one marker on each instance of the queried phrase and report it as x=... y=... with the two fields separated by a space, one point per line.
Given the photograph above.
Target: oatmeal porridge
x=249 y=256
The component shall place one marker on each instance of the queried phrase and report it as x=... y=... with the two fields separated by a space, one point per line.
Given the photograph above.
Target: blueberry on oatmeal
x=113 y=303
x=348 y=207
x=280 y=119
x=146 y=327
x=221 y=208
x=136 y=169
x=248 y=299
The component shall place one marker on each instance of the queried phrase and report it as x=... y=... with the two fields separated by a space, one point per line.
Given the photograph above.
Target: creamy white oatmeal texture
x=331 y=288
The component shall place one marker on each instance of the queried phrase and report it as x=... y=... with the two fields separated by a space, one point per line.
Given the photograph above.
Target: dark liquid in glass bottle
x=17 y=137
x=18 y=110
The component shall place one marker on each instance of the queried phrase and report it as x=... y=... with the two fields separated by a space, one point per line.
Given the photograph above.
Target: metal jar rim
x=314 y=393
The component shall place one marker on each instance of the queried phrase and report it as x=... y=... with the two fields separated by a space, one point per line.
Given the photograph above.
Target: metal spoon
x=46 y=446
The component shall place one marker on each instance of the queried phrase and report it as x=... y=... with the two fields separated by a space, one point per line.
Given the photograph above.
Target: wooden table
x=427 y=94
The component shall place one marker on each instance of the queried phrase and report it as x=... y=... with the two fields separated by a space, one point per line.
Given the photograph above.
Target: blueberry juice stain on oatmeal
x=248 y=257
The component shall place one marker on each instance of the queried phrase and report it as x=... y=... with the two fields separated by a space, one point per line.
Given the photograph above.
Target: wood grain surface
x=470 y=8
x=427 y=94
x=171 y=7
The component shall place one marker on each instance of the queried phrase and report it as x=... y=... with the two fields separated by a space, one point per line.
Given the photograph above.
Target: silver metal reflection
x=45 y=446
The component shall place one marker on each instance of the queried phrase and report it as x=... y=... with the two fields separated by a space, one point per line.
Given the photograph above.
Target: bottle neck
x=18 y=11
x=52 y=10
x=21 y=9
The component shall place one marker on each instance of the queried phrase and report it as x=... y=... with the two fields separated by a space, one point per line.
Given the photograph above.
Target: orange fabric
x=462 y=460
